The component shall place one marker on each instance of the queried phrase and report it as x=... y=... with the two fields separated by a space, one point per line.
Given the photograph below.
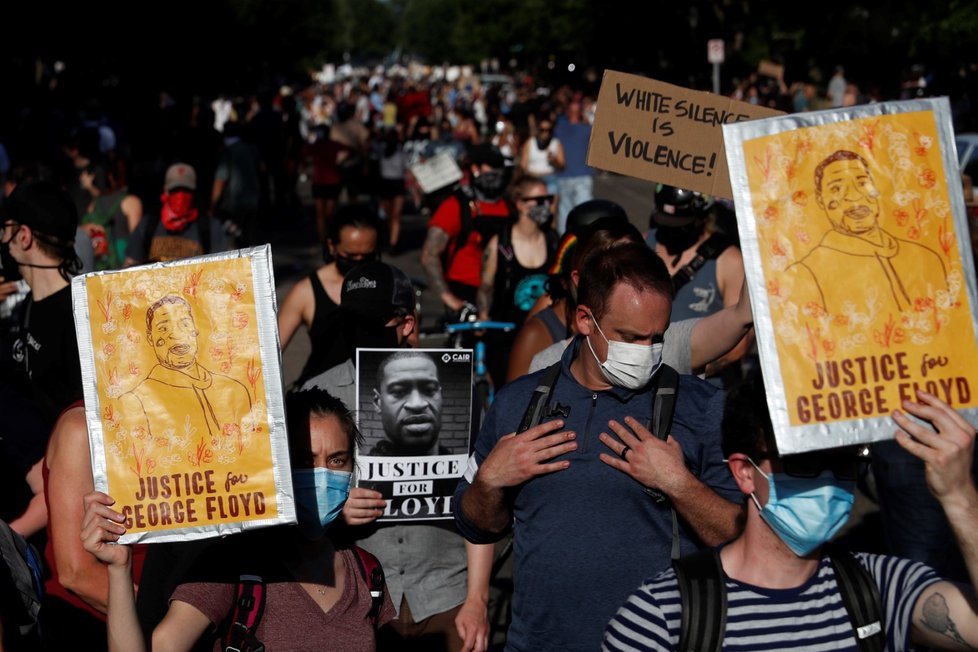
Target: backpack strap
x=466 y=207
x=246 y=613
x=663 y=408
x=861 y=597
x=373 y=575
x=541 y=395
x=712 y=247
x=703 y=595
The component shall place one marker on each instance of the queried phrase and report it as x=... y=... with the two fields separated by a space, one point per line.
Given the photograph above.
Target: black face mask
x=344 y=263
x=677 y=239
x=8 y=266
x=490 y=185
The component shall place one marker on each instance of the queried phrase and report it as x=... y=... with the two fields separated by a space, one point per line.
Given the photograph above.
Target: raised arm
x=183 y=624
x=715 y=335
x=945 y=615
x=730 y=277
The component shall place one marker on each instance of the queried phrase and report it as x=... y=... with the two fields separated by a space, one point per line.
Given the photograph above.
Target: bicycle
x=468 y=323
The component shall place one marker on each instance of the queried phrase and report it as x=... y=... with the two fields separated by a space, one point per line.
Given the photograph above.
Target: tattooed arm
x=484 y=296
x=435 y=243
x=946 y=614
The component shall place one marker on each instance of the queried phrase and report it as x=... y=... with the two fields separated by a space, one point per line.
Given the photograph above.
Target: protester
x=462 y=226
x=553 y=477
x=575 y=183
x=438 y=582
x=113 y=214
x=543 y=155
x=313 y=301
x=705 y=265
x=312 y=586
x=781 y=582
x=180 y=230
x=514 y=269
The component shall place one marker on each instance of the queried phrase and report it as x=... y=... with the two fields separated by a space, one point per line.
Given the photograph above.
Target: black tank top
x=320 y=333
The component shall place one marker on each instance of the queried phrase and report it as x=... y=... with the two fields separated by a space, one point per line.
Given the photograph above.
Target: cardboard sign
x=415 y=413
x=437 y=172
x=183 y=395
x=856 y=250
x=770 y=69
x=659 y=132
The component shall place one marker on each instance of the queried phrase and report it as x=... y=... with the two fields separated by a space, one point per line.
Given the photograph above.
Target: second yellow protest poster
x=861 y=276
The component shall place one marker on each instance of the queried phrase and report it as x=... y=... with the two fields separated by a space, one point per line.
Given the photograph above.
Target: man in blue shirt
x=586 y=533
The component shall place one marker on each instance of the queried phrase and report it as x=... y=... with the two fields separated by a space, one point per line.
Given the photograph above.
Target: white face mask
x=630 y=366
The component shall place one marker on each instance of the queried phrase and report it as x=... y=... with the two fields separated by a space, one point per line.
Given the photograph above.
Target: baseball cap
x=180 y=175
x=376 y=290
x=43 y=206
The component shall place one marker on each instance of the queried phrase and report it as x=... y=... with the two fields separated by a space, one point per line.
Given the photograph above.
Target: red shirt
x=466 y=265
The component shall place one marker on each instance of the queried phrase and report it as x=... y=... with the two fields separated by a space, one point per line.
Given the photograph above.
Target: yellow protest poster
x=183 y=395
x=857 y=253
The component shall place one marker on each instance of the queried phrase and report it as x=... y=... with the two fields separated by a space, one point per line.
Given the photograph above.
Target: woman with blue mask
x=316 y=595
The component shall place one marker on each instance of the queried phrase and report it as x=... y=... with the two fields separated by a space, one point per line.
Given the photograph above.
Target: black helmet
x=582 y=215
x=678 y=206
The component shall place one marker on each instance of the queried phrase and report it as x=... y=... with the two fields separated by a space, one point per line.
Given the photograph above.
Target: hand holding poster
x=652 y=130
x=180 y=367
x=856 y=250
x=415 y=408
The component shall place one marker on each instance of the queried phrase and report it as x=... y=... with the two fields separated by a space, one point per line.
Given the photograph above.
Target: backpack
x=468 y=206
x=22 y=591
x=704 y=601
x=249 y=604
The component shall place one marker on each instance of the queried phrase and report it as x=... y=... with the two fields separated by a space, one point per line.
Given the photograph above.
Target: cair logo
x=455 y=357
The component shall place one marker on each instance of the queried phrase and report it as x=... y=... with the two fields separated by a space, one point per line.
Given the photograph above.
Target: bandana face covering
x=178 y=210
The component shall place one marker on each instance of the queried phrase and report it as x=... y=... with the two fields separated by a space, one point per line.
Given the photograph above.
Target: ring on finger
x=624 y=452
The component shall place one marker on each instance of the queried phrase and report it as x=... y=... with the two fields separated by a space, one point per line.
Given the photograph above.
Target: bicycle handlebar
x=480 y=325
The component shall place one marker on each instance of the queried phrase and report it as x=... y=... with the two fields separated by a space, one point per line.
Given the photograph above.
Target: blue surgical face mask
x=806 y=512
x=319 y=496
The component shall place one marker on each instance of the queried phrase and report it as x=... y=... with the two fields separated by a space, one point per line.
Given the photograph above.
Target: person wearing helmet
x=706 y=267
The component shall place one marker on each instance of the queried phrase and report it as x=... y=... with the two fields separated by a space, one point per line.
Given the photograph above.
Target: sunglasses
x=540 y=200
x=811 y=465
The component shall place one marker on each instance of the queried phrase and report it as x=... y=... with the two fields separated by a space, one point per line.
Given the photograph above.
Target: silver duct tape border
x=266 y=308
x=799 y=439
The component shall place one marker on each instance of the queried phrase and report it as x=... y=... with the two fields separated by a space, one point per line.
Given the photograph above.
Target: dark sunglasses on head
x=811 y=465
x=542 y=199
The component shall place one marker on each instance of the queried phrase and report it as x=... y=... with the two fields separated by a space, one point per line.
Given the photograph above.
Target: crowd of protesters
x=89 y=188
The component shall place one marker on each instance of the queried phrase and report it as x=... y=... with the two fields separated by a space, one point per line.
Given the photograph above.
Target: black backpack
x=21 y=591
x=249 y=604
x=704 y=601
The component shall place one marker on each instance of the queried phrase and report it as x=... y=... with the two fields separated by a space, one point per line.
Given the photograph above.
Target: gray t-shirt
x=676 y=349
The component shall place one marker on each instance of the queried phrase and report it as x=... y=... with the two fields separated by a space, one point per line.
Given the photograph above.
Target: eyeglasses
x=850 y=466
x=539 y=200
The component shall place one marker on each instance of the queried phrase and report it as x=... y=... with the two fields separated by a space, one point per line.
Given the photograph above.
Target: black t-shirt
x=49 y=353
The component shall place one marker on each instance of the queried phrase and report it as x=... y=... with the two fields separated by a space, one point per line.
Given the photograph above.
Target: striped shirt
x=810 y=617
